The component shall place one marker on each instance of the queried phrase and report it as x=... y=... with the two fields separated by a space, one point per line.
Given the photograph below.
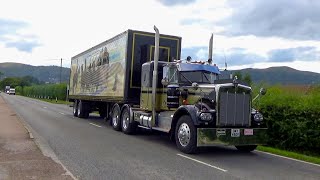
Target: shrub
x=293 y=118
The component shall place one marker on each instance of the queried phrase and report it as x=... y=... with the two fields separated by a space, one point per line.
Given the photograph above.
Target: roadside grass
x=294 y=155
x=53 y=101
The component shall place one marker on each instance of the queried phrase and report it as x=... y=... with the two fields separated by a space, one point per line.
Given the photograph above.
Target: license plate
x=248 y=132
x=235 y=132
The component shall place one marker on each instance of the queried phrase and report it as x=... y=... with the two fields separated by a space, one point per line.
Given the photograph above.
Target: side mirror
x=165 y=82
x=262 y=91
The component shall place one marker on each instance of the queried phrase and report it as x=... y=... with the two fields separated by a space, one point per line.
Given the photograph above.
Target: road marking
x=45 y=107
x=61 y=113
x=202 y=163
x=95 y=125
x=289 y=158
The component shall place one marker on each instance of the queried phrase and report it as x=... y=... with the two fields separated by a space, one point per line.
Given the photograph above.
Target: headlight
x=206 y=116
x=258 y=117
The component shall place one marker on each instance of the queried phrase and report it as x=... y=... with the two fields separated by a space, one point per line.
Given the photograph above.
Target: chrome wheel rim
x=74 y=108
x=79 y=110
x=125 y=120
x=115 y=117
x=184 y=134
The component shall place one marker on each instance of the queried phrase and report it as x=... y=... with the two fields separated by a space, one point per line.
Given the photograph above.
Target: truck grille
x=234 y=106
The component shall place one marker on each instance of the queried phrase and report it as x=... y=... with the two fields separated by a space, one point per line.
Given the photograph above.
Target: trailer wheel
x=83 y=109
x=115 y=117
x=75 y=108
x=127 y=123
x=246 y=148
x=185 y=135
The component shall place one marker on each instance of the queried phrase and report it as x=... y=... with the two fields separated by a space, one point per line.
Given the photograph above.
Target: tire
x=186 y=135
x=75 y=108
x=115 y=117
x=83 y=109
x=246 y=148
x=128 y=126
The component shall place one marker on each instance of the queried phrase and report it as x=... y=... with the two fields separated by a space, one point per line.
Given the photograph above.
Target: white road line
x=95 y=125
x=45 y=107
x=61 y=113
x=289 y=158
x=202 y=163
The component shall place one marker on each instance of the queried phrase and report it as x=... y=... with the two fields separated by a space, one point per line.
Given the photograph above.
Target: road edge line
x=289 y=158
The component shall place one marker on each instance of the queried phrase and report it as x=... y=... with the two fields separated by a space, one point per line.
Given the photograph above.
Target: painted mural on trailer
x=101 y=71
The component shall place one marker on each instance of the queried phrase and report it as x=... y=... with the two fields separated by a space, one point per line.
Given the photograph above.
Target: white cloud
x=66 y=28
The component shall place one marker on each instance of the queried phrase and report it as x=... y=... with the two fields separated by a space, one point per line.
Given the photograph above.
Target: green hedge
x=48 y=91
x=293 y=118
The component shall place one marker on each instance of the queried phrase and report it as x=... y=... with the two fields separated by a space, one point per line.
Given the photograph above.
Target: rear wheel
x=128 y=125
x=83 y=109
x=115 y=117
x=75 y=108
x=246 y=148
x=185 y=135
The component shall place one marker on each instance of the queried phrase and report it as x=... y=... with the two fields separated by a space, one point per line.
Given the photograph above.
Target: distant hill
x=282 y=75
x=49 y=74
x=273 y=75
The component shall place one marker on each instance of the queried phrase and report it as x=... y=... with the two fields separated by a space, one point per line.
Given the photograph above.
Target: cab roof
x=183 y=67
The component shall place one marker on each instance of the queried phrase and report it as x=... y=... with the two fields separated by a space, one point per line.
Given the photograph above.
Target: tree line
x=32 y=87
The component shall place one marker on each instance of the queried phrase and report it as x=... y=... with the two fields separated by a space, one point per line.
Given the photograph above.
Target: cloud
x=12 y=38
x=306 y=53
x=290 y=19
x=175 y=2
x=24 y=46
x=234 y=56
x=190 y=21
x=10 y=26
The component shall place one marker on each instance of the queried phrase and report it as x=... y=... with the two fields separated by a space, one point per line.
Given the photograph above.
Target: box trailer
x=111 y=71
x=137 y=79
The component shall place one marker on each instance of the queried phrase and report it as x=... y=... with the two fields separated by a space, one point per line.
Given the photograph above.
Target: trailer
x=137 y=79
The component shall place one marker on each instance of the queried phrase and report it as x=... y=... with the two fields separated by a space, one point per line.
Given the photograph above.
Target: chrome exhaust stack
x=155 y=74
x=210 y=50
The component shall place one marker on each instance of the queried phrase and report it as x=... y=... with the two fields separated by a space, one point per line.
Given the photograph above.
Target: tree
x=1 y=74
x=246 y=78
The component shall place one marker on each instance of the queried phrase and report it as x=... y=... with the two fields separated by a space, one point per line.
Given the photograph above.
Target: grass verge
x=53 y=101
x=294 y=155
x=56 y=102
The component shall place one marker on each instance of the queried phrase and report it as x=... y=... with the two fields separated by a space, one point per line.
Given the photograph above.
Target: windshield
x=197 y=76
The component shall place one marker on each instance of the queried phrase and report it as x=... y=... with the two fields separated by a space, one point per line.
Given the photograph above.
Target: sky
x=247 y=33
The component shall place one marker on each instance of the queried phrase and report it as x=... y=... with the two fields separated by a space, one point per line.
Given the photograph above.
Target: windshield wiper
x=206 y=77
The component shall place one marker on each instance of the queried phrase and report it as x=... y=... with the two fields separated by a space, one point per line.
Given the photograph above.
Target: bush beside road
x=293 y=118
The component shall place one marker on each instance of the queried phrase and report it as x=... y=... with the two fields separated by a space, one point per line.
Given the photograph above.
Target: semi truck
x=138 y=80
x=7 y=89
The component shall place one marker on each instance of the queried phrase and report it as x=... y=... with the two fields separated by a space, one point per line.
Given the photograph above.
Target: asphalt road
x=91 y=149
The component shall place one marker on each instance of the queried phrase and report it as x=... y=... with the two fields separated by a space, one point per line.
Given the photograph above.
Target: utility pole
x=60 y=70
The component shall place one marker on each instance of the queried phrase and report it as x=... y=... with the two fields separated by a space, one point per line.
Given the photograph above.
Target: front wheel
x=246 y=148
x=186 y=135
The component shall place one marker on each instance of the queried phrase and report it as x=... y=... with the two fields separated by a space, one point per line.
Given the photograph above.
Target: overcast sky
x=247 y=33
